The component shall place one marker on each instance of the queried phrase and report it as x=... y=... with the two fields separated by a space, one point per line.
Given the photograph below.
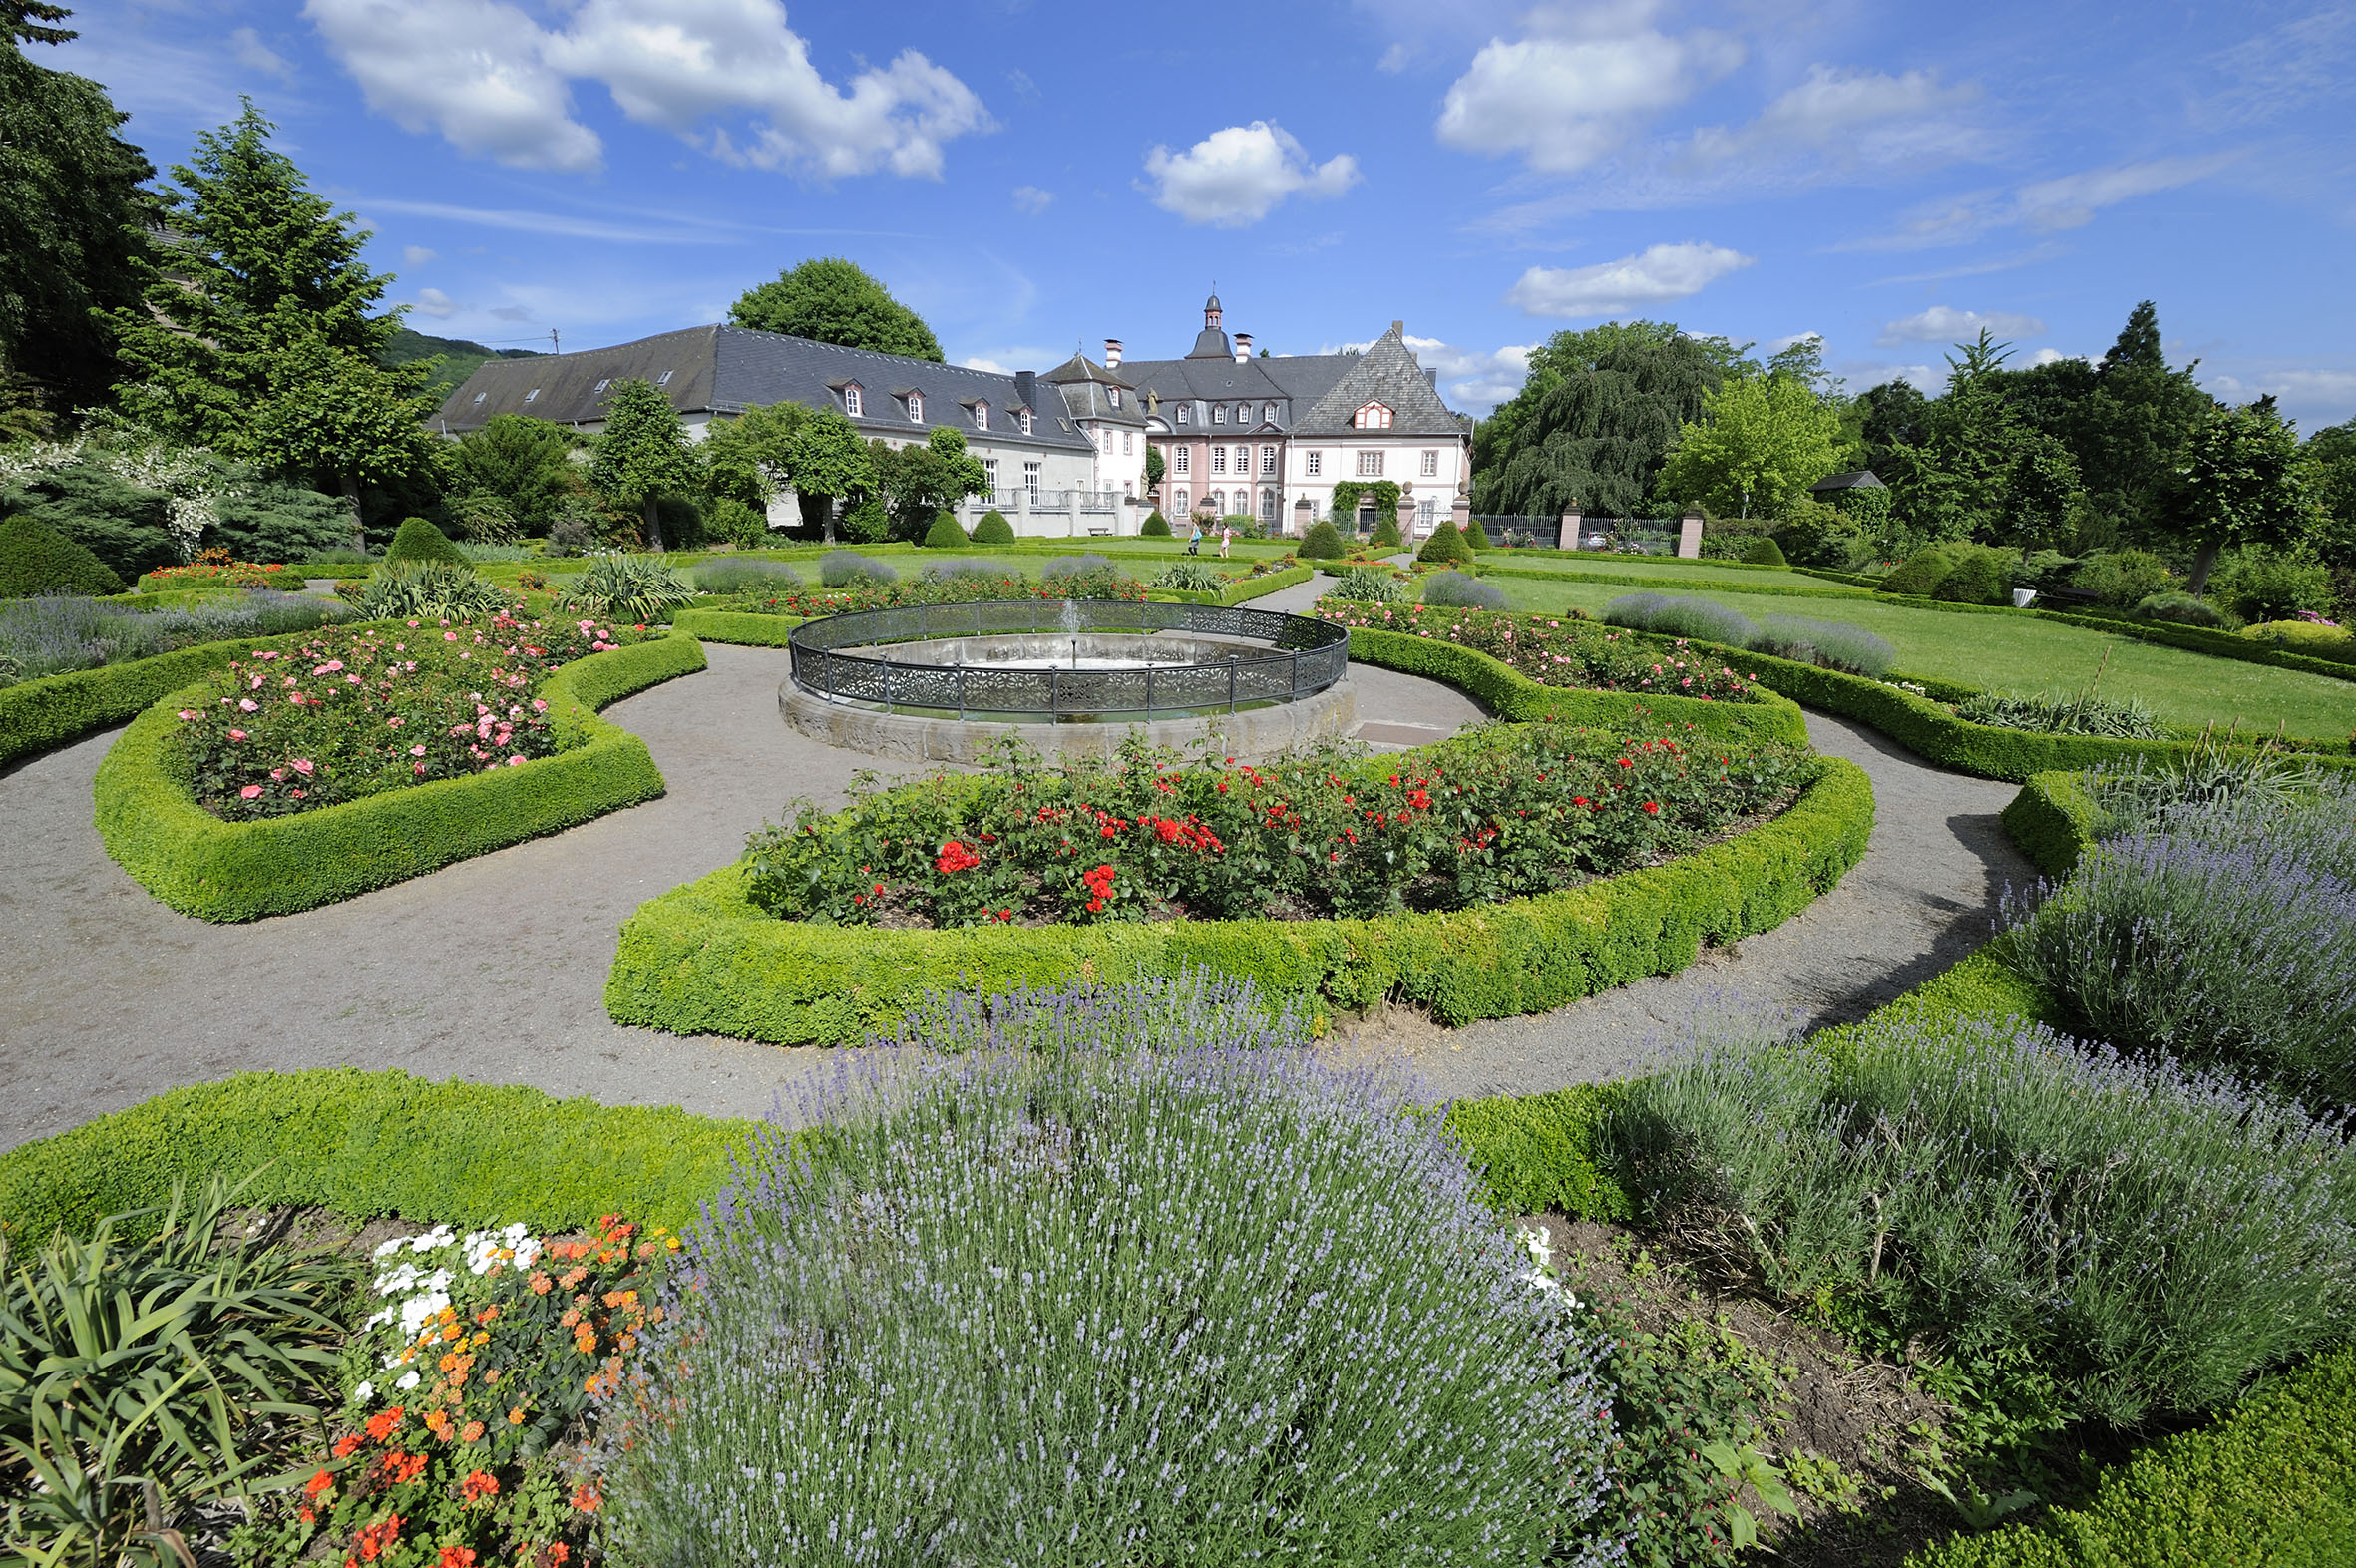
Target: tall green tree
x=334 y=419
x=1595 y=418
x=644 y=454
x=2042 y=496
x=2240 y=479
x=834 y=300
x=2331 y=468
x=917 y=483
x=527 y=463
x=74 y=223
x=827 y=461
x=750 y=456
x=1758 y=445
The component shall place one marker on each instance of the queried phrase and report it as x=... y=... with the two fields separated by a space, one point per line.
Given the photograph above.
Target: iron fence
x=1302 y=657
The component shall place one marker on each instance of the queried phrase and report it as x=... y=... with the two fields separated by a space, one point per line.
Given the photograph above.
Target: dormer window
x=480 y=396
x=981 y=416
x=1373 y=416
x=1114 y=394
x=1268 y=414
x=1025 y=418
x=1218 y=413
x=1183 y=413
x=663 y=380
x=854 y=401
x=916 y=407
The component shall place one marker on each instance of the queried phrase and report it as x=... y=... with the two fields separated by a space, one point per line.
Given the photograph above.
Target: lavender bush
x=1836 y=644
x=1682 y=615
x=2226 y=935
x=1212 y=1307
x=2145 y=1238
x=2135 y=796
x=54 y=633
x=745 y=574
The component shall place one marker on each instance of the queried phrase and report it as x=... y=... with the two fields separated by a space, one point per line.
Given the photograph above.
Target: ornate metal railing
x=1301 y=657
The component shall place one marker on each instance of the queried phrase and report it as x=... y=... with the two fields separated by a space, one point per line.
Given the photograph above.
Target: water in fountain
x=1071 y=628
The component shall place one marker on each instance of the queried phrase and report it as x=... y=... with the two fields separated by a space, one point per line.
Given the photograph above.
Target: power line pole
x=554 y=347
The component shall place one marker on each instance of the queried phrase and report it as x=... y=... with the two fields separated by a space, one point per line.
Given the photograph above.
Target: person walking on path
x=1225 y=534
x=1194 y=537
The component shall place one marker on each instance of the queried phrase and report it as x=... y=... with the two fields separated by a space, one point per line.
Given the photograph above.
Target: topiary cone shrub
x=1764 y=552
x=417 y=540
x=945 y=535
x=1476 y=536
x=1323 y=543
x=1978 y=579
x=1156 y=527
x=37 y=559
x=1446 y=545
x=994 y=529
x=1921 y=572
x=1385 y=531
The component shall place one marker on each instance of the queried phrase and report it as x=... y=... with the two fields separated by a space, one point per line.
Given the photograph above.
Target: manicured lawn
x=2027 y=655
x=1646 y=572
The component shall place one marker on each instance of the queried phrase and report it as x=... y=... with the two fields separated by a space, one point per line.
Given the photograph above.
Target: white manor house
x=1065 y=449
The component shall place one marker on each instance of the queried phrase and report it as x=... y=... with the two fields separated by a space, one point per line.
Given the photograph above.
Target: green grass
x=1651 y=573
x=2005 y=653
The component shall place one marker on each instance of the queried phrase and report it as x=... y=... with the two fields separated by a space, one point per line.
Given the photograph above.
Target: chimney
x=1243 y=346
x=1027 y=387
x=1112 y=354
x=1400 y=327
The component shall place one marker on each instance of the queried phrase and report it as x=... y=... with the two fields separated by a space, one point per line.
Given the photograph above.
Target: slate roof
x=1860 y=478
x=1086 y=385
x=1385 y=373
x=722 y=369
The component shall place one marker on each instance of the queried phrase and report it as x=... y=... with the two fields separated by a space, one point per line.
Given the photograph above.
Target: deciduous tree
x=644 y=454
x=1598 y=412
x=2239 y=479
x=834 y=301
x=1758 y=444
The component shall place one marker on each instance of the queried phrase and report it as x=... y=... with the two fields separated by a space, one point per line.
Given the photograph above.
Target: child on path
x=1225 y=534
x=1194 y=537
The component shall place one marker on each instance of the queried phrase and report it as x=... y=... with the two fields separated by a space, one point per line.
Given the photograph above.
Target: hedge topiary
x=1385 y=531
x=1978 y=579
x=1446 y=545
x=1764 y=552
x=1921 y=572
x=417 y=540
x=2180 y=608
x=1322 y=543
x=994 y=529
x=945 y=534
x=1476 y=536
x=39 y=559
x=1155 y=525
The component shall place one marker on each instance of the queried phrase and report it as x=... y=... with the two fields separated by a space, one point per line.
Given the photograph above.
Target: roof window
x=663 y=380
x=854 y=400
x=532 y=396
x=916 y=407
x=603 y=385
x=480 y=395
x=981 y=416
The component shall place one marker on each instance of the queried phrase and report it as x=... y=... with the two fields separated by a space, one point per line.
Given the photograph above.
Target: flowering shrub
x=1502 y=815
x=355 y=713
x=222 y=573
x=1553 y=651
x=1097 y=579
x=463 y=1389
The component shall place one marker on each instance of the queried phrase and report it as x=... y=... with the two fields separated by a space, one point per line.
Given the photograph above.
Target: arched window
x=854 y=401
x=1373 y=416
x=916 y=407
x=981 y=416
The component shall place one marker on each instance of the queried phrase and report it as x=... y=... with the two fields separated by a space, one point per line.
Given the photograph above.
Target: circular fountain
x=946 y=682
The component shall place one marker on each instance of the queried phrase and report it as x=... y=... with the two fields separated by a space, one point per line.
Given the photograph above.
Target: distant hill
x=459 y=357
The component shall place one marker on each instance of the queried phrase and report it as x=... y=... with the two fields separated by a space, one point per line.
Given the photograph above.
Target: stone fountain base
x=1253 y=731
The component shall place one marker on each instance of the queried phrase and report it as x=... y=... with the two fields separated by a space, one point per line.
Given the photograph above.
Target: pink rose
x=392 y=724
x=248 y=705
x=417 y=751
x=515 y=762
x=249 y=792
x=450 y=636
x=303 y=766
x=237 y=734
x=187 y=714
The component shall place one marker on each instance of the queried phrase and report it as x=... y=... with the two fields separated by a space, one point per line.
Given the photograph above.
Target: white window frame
x=1370 y=463
x=1267 y=460
x=1218 y=413
x=916 y=407
x=855 y=402
x=981 y=416
x=1431 y=463
x=1181 y=460
x=1128 y=443
x=1270 y=503
x=1023 y=418
x=1178 y=499
x=1218 y=460
x=1268 y=414
x=1185 y=415
x=1030 y=480
x=1114 y=395
x=1371 y=416
x=532 y=396
x=1312 y=463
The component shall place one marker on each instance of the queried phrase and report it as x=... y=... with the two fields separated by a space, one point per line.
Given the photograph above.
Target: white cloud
x=2314 y=397
x=1031 y=199
x=1395 y=60
x=1942 y=325
x=1237 y=175
x=1655 y=277
x=1585 y=84
x=1851 y=120
x=493 y=82
x=433 y=303
x=417 y=255
x=523 y=220
x=2050 y=356
x=984 y=362
x=252 y=52
x=2067 y=201
x=1473 y=381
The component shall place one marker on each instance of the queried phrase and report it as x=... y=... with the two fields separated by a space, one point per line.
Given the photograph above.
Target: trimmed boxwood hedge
x=1241 y=589
x=37 y=559
x=702 y=959
x=2052 y=819
x=748 y=628
x=1490 y=569
x=2271 y=1484
x=226 y=871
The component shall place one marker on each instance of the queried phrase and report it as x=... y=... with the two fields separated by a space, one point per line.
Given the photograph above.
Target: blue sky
x=1035 y=176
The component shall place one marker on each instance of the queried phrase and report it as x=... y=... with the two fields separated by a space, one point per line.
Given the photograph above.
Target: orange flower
x=570 y=1319
x=560 y=1554
x=346 y=1443
x=515 y=1417
x=375 y=1539
x=541 y=1284
x=586 y=1498
x=486 y=1315
x=457 y=1557
x=381 y=1424
x=321 y=1482
x=472 y=1431
x=478 y=1485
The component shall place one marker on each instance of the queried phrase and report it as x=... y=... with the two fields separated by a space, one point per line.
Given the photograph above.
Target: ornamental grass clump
x=428 y=591
x=2075 y=713
x=54 y=633
x=1191 y=577
x=1368 y=585
x=2119 y=1238
x=1681 y=615
x=1215 y=1308
x=364 y=711
x=2224 y=935
x=636 y=589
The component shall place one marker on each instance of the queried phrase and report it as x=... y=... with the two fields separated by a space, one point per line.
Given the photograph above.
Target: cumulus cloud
x=1579 y=87
x=417 y=255
x=1030 y=200
x=1656 y=276
x=1944 y=325
x=1472 y=380
x=433 y=303
x=2312 y=396
x=1237 y=175
x=493 y=82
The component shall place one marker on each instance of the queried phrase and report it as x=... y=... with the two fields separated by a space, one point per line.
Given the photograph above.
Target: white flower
x=364 y=1392
x=406 y=1382
x=388 y=1248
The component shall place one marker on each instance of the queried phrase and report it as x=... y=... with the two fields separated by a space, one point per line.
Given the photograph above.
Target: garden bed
x=204 y=866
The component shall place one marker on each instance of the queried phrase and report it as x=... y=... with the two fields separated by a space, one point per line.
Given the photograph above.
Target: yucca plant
x=140 y=1379
x=1193 y=577
x=429 y=591
x=626 y=588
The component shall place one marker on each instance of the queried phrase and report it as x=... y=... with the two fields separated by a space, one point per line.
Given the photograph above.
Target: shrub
x=38 y=559
x=417 y=540
x=1087 y=576
x=1446 y=545
x=1291 y=839
x=1764 y=552
x=2122 y=1239
x=56 y=632
x=1811 y=533
x=1981 y=576
x=2313 y=638
x=843 y=567
x=1921 y=572
x=2081 y=714
x=2177 y=608
x=1456 y=591
x=733 y=522
x=745 y=574
x=268 y=520
x=1368 y=585
x=1191 y=577
x=1155 y=525
x=1322 y=541
x=1386 y=533
x=2260 y=584
x=636 y=589
x=945 y=534
x=481 y=518
x=573 y=529
x=2122 y=577
x=2044 y=571
x=869 y=524
x=1833 y=645
x=424 y=589
x=1682 y=615
x=1055 y=1227
x=1476 y=536
x=2223 y=934
x=994 y=529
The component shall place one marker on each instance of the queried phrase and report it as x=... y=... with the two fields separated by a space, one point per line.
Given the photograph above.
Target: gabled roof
x=1385 y=373
x=1860 y=479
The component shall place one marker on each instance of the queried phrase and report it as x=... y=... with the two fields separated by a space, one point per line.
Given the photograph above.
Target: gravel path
x=493 y=969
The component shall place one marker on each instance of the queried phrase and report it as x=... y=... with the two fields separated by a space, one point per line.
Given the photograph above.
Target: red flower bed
x=1554 y=650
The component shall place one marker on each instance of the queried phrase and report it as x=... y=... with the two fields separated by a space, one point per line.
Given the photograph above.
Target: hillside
x=458 y=356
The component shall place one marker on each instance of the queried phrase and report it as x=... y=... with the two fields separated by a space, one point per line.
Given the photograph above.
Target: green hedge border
x=199 y=865
x=1241 y=591
x=1638 y=586
x=1685 y=563
x=2052 y=820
